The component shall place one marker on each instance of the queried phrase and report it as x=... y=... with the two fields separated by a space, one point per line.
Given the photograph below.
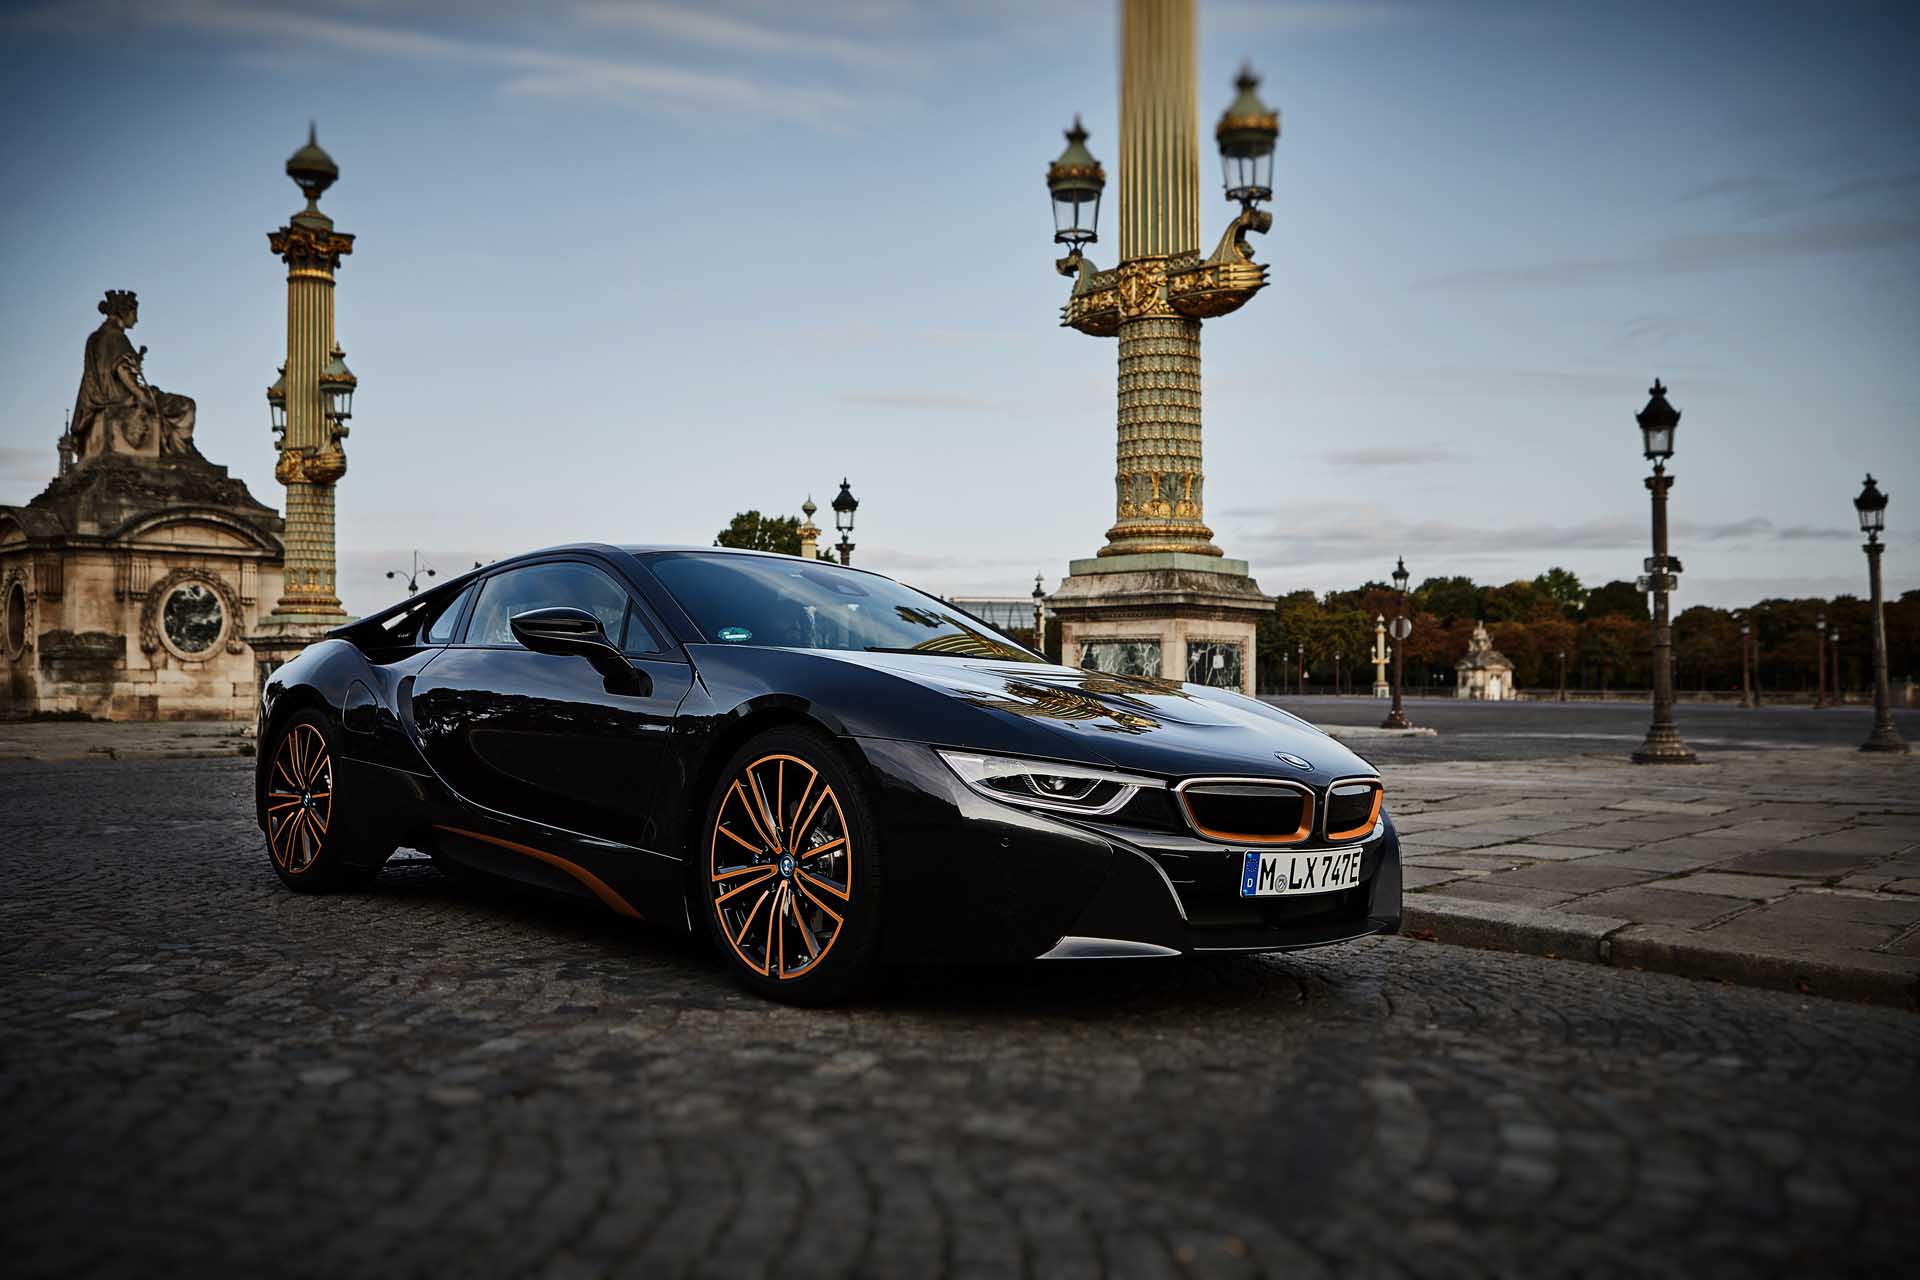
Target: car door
x=541 y=737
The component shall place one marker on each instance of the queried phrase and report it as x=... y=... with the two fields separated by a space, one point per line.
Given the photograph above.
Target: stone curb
x=1339 y=731
x=1497 y=926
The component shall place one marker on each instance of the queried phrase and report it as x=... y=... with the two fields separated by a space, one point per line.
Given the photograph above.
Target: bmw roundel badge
x=1293 y=760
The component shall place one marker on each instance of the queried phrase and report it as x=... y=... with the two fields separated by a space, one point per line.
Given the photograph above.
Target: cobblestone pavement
x=1797 y=870
x=203 y=1073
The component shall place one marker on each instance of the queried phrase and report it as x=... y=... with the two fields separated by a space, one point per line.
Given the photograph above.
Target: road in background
x=1539 y=730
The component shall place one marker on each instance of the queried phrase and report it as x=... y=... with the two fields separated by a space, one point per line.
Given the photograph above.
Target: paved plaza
x=206 y=1074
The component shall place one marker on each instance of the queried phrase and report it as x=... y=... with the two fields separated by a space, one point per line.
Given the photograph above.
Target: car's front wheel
x=305 y=838
x=790 y=869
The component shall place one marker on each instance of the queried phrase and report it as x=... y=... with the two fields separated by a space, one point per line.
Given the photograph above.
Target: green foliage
x=1563 y=588
x=752 y=531
x=1449 y=599
x=1617 y=600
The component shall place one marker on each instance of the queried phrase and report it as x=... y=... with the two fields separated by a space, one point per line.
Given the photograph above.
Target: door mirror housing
x=568 y=632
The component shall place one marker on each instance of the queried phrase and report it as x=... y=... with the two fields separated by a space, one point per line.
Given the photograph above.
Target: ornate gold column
x=1160 y=598
x=311 y=457
x=1158 y=473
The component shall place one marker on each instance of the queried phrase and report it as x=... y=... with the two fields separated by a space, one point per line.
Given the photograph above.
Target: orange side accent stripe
x=599 y=887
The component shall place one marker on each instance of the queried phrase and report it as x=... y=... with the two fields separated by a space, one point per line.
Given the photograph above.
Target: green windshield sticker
x=735 y=635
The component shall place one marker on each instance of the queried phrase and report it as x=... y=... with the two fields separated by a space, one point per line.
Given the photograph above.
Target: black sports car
x=821 y=768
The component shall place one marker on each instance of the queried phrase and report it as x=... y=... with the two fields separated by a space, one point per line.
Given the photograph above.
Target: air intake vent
x=1248 y=812
x=1353 y=806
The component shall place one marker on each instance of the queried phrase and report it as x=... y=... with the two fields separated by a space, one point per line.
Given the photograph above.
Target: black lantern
x=277 y=402
x=1872 y=507
x=1246 y=133
x=1658 y=421
x=844 y=505
x=1076 y=181
x=1400 y=575
x=337 y=386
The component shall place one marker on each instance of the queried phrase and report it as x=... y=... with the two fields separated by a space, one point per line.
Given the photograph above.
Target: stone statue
x=117 y=411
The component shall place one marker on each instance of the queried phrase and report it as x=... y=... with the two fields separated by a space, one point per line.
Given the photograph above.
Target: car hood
x=1149 y=726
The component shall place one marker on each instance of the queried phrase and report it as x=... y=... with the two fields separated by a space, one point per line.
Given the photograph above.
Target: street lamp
x=1336 y=673
x=1833 y=650
x=1820 y=662
x=844 y=505
x=1746 y=665
x=1562 y=655
x=1401 y=629
x=1872 y=508
x=1301 y=668
x=1039 y=616
x=1658 y=422
x=420 y=570
x=337 y=385
x=1076 y=181
x=1246 y=134
x=277 y=408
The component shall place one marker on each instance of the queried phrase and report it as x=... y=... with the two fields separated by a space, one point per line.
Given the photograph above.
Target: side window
x=440 y=630
x=640 y=639
x=543 y=586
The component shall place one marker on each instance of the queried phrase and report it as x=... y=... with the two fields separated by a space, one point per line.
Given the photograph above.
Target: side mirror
x=568 y=632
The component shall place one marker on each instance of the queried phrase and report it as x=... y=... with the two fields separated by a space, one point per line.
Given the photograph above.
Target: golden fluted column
x=1158 y=473
x=311 y=457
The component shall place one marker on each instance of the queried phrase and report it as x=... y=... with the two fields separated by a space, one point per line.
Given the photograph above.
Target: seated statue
x=117 y=411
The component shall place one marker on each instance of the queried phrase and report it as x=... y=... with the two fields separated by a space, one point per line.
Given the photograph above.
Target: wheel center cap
x=786 y=864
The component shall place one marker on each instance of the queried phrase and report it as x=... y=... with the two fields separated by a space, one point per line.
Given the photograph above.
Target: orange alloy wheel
x=299 y=799
x=780 y=866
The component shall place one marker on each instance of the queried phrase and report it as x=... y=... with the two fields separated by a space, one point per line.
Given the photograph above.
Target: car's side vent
x=1247 y=811
x=1353 y=806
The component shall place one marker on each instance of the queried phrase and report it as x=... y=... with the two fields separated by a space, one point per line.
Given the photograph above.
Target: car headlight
x=1046 y=784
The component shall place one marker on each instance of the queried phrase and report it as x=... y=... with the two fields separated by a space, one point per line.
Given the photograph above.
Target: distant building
x=128 y=586
x=1004 y=613
x=1484 y=674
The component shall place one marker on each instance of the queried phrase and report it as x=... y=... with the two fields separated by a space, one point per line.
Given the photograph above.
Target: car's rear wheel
x=790 y=869
x=305 y=839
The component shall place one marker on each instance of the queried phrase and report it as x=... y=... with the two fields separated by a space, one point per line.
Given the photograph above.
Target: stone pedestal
x=1175 y=615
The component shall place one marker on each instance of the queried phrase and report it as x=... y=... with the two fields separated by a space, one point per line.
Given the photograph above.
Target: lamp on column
x=1871 y=506
x=844 y=505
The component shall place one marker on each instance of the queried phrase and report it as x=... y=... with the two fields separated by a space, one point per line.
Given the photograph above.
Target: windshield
x=791 y=604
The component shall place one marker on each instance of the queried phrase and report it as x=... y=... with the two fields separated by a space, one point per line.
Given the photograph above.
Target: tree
x=1449 y=598
x=752 y=531
x=1563 y=588
x=1617 y=600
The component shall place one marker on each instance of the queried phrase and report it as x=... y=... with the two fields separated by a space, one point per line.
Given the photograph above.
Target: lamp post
x=844 y=505
x=1336 y=673
x=1658 y=422
x=1163 y=286
x=1562 y=655
x=1401 y=629
x=1746 y=665
x=1872 y=508
x=1039 y=616
x=420 y=570
x=1820 y=662
x=1833 y=653
x=1300 y=668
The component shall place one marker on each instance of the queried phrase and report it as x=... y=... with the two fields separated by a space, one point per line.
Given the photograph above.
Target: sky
x=624 y=269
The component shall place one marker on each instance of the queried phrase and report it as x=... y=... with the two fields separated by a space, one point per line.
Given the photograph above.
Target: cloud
x=523 y=69
x=26 y=461
x=704 y=26
x=1389 y=457
x=1708 y=251
x=926 y=401
x=1310 y=16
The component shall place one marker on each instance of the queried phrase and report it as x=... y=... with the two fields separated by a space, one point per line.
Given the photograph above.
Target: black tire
x=795 y=912
x=306 y=837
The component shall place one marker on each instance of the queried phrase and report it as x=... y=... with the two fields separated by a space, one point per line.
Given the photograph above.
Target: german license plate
x=1270 y=875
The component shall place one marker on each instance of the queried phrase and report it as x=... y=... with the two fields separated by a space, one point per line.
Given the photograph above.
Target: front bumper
x=968 y=878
